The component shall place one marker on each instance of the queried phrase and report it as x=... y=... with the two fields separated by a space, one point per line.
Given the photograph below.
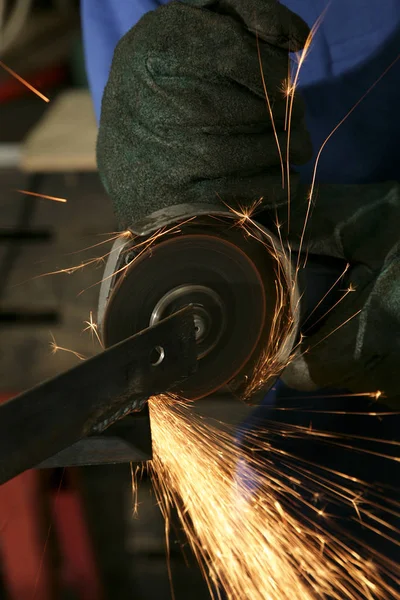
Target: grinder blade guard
x=228 y=273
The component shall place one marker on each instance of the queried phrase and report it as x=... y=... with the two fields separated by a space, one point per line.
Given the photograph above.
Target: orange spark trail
x=317 y=159
x=287 y=90
x=336 y=329
x=345 y=118
x=134 y=485
x=328 y=434
x=374 y=395
x=251 y=544
x=328 y=437
x=328 y=292
x=349 y=290
x=291 y=92
x=124 y=234
x=270 y=112
x=55 y=348
x=24 y=82
x=70 y=270
x=144 y=245
x=55 y=198
x=93 y=328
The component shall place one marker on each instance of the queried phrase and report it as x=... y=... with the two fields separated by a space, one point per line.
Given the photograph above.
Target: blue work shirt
x=356 y=41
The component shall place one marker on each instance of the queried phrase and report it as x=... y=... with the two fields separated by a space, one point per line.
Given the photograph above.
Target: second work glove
x=358 y=345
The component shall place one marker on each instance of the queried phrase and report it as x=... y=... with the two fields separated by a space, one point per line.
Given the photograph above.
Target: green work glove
x=184 y=115
x=358 y=346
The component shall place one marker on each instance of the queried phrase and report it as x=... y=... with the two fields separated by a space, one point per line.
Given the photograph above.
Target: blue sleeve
x=354 y=45
x=104 y=23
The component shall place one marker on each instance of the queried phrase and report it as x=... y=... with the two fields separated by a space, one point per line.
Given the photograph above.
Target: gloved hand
x=358 y=346
x=184 y=115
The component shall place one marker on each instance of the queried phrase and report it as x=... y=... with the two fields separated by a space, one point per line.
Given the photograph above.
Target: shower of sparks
x=56 y=348
x=23 y=81
x=54 y=198
x=92 y=326
x=254 y=540
x=276 y=353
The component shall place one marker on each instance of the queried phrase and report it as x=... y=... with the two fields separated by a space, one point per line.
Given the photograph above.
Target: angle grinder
x=233 y=272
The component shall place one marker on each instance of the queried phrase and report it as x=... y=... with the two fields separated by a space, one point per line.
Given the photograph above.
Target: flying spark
x=55 y=348
x=115 y=236
x=292 y=90
x=270 y=112
x=23 y=81
x=70 y=270
x=369 y=90
x=335 y=330
x=54 y=198
x=349 y=290
x=318 y=157
x=328 y=292
x=135 y=488
x=93 y=328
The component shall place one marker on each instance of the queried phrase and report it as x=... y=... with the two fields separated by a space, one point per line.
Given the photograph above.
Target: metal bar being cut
x=127 y=441
x=89 y=398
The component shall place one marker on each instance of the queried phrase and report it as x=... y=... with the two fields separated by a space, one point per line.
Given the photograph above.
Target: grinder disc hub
x=209 y=313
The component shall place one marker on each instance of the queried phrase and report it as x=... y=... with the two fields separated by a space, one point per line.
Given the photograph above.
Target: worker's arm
x=103 y=24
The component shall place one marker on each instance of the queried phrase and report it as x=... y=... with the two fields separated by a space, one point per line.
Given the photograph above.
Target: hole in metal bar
x=157 y=355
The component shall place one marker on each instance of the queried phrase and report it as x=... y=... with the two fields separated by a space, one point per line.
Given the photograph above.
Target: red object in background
x=78 y=571
x=24 y=552
x=22 y=540
x=11 y=88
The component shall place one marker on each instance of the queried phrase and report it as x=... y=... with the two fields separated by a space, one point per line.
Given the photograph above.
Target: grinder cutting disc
x=229 y=279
